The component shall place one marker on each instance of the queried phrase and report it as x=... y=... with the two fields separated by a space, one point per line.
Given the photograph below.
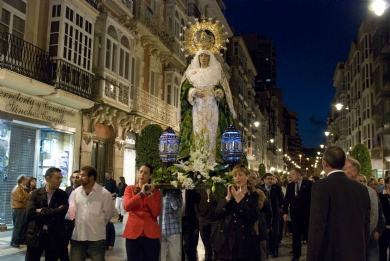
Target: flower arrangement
x=196 y=170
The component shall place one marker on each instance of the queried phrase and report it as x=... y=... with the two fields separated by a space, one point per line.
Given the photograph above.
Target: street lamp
x=379 y=6
x=256 y=123
x=300 y=160
x=327 y=133
x=339 y=105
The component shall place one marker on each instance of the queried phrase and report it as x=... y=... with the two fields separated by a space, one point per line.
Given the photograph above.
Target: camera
x=146 y=188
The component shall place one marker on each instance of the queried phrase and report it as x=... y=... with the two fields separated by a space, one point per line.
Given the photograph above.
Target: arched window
x=112 y=49
x=177 y=25
x=124 y=58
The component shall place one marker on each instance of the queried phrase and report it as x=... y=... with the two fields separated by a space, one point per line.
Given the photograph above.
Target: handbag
x=218 y=237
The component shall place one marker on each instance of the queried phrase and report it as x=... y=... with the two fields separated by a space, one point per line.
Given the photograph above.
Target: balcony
x=144 y=14
x=114 y=92
x=193 y=10
x=20 y=58
x=23 y=58
x=156 y=109
x=93 y=3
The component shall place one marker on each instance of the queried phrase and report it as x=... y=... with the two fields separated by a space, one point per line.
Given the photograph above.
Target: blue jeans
x=20 y=227
x=372 y=250
x=96 y=250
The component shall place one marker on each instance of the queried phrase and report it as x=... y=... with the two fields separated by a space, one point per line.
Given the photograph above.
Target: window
x=153 y=88
x=13 y=17
x=111 y=49
x=124 y=58
x=172 y=89
x=133 y=79
x=77 y=36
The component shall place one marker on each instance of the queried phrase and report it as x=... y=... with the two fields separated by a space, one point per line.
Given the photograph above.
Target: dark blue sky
x=310 y=38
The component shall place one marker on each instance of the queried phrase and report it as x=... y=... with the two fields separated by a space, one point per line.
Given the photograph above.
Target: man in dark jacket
x=265 y=220
x=110 y=184
x=298 y=198
x=339 y=213
x=276 y=199
x=46 y=211
x=208 y=221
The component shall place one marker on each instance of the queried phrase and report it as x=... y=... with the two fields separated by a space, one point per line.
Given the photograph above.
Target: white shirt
x=92 y=213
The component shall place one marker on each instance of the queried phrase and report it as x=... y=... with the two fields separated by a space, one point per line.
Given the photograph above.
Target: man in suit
x=339 y=214
x=265 y=220
x=298 y=198
x=46 y=211
x=190 y=225
x=276 y=199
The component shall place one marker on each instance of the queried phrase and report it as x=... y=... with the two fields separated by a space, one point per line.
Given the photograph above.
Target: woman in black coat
x=238 y=212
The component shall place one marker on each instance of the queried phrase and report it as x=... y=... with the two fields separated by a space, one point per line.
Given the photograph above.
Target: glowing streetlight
x=327 y=133
x=339 y=106
x=256 y=123
x=379 y=6
x=300 y=159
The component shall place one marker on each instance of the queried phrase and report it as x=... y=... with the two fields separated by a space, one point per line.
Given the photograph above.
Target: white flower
x=174 y=183
x=198 y=165
x=199 y=176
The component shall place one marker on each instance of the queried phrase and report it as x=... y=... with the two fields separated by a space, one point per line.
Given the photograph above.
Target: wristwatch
x=141 y=194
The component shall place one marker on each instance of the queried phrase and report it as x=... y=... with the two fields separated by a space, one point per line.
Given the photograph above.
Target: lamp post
x=300 y=160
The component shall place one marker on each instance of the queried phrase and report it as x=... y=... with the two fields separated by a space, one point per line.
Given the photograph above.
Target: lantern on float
x=168 y=147
x=231 y=146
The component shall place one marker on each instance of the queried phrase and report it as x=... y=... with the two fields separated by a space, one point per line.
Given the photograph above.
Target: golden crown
x=204 y=35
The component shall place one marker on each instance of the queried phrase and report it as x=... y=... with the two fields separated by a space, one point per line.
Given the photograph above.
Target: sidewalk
x=8 y=253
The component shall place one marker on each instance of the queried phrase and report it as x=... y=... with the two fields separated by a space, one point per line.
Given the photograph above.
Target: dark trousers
x=273 y=238
x=50 y=247
x=299 y=228
x=190 y=235
x=384 y=244
x=206 y=228
x=69 y=226
x=143 y=248
x=19 y=219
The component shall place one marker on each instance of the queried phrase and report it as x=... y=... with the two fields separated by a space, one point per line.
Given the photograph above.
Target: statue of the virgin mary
x=206 y=101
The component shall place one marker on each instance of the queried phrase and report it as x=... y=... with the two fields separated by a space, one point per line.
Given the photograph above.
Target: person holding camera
x=236 y=238
x=143 y=202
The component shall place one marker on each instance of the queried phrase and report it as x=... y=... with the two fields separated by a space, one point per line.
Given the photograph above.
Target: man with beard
x=91 y=209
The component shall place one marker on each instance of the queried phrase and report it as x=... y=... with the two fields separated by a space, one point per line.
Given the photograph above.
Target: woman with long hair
x=143 y=202
x=238 y=212
x=31 y=184
x=120 y=190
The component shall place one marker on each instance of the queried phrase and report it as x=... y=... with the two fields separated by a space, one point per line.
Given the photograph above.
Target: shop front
x=129 y=169
x=35 y=134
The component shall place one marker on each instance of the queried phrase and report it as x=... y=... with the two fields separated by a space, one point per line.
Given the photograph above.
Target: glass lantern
x=168 y=147
x=231 y=146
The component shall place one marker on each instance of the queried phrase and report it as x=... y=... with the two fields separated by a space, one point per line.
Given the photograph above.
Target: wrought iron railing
x=128 y=4
x=144 y=13
x=24 y=58
x=70 y=78
x=93 y=3
x=156 y=108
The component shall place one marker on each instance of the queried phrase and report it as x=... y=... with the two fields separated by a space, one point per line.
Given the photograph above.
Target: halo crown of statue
x=205 y=34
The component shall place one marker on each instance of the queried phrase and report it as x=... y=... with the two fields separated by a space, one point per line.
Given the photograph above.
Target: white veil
x=212 y=75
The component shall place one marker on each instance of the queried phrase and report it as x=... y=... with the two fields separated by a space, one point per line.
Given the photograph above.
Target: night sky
x=310 y=38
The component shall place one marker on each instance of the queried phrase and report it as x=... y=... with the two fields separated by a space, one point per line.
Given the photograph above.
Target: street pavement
x=8 y=253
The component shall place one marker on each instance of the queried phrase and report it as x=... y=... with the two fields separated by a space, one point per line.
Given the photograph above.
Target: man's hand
x=38 y=210
x=376 y=236
x=110 y=248
x=285 y=217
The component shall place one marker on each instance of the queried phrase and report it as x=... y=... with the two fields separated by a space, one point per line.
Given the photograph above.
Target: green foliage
x=147 y=147
x=243 y=160
x=262 y=170
x=362 y=154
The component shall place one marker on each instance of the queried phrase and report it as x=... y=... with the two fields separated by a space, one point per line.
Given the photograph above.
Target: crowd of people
x=342 y=216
